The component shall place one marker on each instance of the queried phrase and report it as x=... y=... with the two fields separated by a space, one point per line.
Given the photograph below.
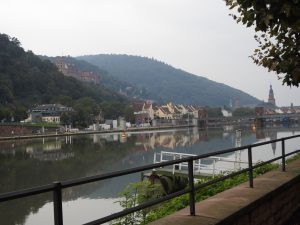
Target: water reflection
x=268 y=133
x=28 y=163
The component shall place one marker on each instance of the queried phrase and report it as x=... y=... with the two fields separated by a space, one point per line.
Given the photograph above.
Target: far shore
x=133 y=129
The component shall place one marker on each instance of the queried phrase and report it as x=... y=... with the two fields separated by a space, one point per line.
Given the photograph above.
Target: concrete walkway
x=227 y=206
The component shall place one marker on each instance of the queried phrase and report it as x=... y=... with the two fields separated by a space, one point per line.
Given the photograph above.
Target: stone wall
x=275 y=208
x=20 y=130
x=274 y=200
x=11 y=130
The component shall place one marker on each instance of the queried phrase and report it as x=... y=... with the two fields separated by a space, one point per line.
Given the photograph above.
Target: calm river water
x=28 y=163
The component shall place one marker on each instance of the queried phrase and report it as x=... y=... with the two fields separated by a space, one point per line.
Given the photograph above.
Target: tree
x=5 y=114
x=20 y=113
x=113 y=109
x=129 y=113
x=66 y=118
x=86 y=109
x=244 y=112
x=214 y=112
x=136 y=194
x=277 y=26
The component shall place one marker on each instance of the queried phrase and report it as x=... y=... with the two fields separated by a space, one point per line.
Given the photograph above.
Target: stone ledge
x=231 y=206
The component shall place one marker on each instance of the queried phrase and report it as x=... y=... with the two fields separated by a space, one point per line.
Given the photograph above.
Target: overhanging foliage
x=277 y=26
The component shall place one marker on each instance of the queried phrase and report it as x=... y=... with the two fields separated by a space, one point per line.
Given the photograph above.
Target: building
x=173 y=111
x=48 y=113
x=270 y=108
x=143 y=111
x=163 y=112
x=271 y=99
x=70 y=70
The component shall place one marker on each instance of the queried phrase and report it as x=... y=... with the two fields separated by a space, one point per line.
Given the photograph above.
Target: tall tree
x=277 y=26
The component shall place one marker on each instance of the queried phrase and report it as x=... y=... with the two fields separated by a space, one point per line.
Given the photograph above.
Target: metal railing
x=57 y=187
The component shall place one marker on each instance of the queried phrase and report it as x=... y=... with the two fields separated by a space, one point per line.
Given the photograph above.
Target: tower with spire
x=271 y=99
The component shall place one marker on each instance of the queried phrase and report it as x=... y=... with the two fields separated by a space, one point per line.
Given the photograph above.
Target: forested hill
x=106 y=79
x=26 y=80
x=165 y=83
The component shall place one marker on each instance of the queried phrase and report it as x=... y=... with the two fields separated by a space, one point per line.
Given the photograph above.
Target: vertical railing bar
x=57 y=204
x=283 y=155
x=191 y=186
x=250 y=167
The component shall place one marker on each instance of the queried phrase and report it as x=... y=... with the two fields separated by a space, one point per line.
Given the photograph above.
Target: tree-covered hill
x=106 y=80
x=26 y=80
x=165 y=83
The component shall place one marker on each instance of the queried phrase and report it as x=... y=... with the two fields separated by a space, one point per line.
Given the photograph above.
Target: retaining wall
x=274 y=200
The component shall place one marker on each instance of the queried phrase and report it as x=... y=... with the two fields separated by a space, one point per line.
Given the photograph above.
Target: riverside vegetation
x=141 y=192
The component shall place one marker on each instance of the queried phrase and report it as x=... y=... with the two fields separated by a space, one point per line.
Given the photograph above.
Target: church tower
x=271 y=99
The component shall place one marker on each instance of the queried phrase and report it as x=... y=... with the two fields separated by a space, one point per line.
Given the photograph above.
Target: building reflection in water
x=169 y=140
x=237 y=154
x=50 y=150
x=263 y=134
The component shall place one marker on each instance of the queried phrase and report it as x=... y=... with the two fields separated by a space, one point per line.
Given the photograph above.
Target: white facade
x=51 y=119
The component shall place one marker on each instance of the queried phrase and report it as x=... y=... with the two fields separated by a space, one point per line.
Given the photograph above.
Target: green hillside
x=165 y=83
x=106 y=79
x=26 y=80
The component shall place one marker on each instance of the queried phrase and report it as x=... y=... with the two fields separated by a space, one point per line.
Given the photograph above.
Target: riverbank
x=135 y=129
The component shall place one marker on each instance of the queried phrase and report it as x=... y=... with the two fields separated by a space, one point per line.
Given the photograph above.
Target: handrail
x=57 y=187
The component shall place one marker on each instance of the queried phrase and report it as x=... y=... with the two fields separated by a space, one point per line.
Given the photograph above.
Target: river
x=29 y=163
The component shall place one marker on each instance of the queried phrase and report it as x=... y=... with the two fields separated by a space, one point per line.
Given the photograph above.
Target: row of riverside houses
x=145 y=112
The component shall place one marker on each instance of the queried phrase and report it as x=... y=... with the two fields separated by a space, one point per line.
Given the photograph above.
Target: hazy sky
x=197 y=36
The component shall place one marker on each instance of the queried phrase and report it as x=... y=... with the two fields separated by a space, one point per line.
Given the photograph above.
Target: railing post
x=191 y=186
x=283 y=155
x=250 y=167
x=57 y=204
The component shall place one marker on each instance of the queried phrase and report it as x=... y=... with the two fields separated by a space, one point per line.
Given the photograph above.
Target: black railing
x=57 y=187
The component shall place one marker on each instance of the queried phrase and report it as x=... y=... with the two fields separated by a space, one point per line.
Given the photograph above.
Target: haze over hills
x=106 y=80
x=164 y=83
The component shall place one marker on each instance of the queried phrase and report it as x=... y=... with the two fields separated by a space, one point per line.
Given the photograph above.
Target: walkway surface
x=228 y=204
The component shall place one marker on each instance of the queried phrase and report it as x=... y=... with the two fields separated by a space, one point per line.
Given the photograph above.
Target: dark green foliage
x=214 y=112
x=163 y=83
x=135 y=194
x=106 y=79
x=239 y=112
x=277 y=26
x=86 y=109
x=26 y=80
x=113 y=109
